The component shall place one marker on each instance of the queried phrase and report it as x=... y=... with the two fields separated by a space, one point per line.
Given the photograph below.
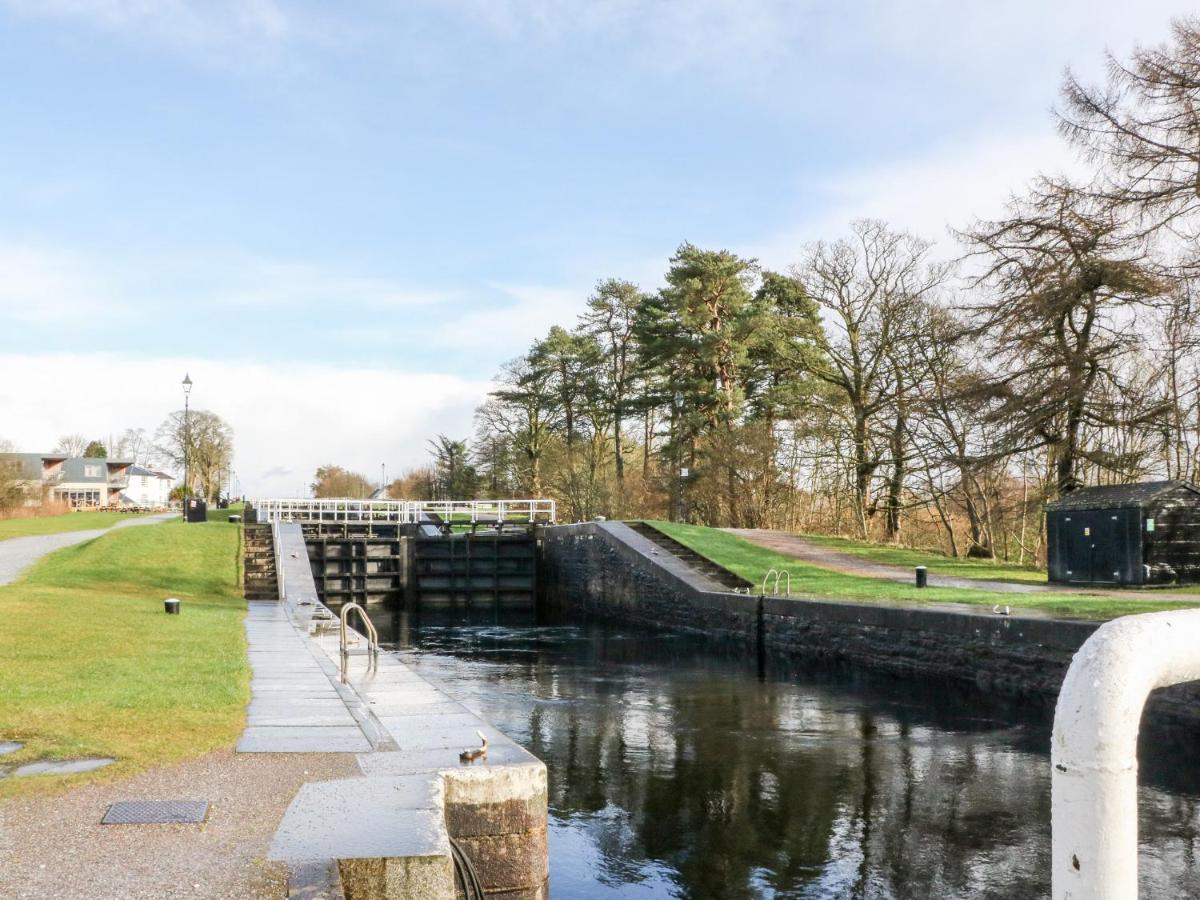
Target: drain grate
x=156 y=812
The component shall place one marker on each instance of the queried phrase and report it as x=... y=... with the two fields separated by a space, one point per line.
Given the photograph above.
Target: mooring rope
x=464 y=869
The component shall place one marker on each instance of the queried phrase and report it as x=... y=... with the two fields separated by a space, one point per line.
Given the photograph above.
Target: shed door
x=1097 y=546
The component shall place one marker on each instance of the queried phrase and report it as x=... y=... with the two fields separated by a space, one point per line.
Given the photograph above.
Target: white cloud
x=287 y=419
x=527 y=315
x=948 y=187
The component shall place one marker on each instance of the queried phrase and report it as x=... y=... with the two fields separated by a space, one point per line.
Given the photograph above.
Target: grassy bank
x=91 y=665
x=71 y=521
x=906 y=557
x=752 y=562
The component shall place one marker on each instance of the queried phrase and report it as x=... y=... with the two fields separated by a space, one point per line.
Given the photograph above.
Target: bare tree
x=71 y=445
x=335 y=481
x=867 y=287
x=201 y=445
x=1144 y=125
x=1066 y=283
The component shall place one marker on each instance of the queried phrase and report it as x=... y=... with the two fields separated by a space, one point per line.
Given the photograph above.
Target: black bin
x=195 y=509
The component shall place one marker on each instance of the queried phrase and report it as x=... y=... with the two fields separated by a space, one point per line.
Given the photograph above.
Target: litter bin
x=195 y=509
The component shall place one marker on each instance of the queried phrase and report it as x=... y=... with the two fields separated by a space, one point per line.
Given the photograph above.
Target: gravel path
x=18 y=554
x=849 y=564
x=54 y=847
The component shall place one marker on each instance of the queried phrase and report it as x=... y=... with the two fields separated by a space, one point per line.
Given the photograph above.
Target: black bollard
x=171 y=606
x=922 y=576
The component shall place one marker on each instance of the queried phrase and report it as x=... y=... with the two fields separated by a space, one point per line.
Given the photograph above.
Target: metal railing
x=777 y=574
x=1093 y=749
x=344 y=640
x=407 y=512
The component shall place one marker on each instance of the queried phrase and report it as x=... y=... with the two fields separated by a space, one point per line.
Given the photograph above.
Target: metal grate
x=156 y=812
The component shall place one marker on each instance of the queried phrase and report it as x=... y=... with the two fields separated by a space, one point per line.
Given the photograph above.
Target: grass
x=90 y=665
x=938 y=562
x=752 y=562
x=71 y=521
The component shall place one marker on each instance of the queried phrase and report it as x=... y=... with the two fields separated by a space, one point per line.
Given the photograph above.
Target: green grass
x=90 y=665
x=752 y=562
x=938 y=562
x=72 y=521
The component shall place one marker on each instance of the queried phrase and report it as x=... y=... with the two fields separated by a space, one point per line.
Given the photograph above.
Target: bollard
x=171 y=605
x=922 y=576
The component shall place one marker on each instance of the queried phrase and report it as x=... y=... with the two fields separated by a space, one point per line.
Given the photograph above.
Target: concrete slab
x=303 y=739
x=363 y=818
x=300 y=719
x=441 y=759
x=455 y=738
x=61 y=767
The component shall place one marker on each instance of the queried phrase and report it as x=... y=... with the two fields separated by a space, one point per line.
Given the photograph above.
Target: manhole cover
x=156 y=812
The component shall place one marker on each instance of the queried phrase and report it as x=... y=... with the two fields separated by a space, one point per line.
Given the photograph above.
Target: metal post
x=922 y=576
x=1093 y=751
x=187 y=440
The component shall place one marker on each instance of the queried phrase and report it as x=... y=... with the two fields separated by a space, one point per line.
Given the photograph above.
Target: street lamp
x=187 y=438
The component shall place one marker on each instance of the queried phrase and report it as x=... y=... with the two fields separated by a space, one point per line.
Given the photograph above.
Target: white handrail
x=1093 y=752
x=778 y=574
x=406 y=512
x=344 y=643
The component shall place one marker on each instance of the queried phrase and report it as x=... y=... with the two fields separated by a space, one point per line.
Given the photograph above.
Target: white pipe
x=1093 y=752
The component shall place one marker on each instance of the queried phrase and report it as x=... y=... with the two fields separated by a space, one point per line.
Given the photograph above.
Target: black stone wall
x=609 y=570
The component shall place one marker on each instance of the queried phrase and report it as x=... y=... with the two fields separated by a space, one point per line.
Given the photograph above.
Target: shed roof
x=1119 y=496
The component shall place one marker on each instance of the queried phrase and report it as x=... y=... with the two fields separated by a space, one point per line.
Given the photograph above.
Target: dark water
x=681 y=769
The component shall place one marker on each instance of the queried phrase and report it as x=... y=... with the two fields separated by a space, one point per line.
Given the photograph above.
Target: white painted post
x=1093 y=753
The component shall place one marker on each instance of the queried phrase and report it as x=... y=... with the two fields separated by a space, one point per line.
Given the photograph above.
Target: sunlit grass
x=90 y=665
x=71 y=521
x=752 y=562
x=937 y=562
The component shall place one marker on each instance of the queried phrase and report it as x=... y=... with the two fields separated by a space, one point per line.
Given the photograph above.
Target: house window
x=91 y=471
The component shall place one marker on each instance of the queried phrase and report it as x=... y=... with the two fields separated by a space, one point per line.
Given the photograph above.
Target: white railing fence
x=406 y=512
x=1093 y=752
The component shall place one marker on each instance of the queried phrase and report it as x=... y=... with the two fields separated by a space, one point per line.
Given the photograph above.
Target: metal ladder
x=344 y=640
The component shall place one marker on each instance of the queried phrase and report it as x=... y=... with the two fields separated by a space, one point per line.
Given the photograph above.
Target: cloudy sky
x=340 y=218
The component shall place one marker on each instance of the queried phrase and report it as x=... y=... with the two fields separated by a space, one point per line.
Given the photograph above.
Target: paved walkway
x=19 y=553
x=849 y=564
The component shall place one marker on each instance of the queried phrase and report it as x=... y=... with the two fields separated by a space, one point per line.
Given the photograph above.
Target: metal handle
x=372 y=635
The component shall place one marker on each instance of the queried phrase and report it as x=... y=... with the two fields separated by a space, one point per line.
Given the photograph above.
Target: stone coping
x=393 y=824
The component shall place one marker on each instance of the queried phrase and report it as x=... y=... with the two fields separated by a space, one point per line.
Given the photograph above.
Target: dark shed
x=1126 y=534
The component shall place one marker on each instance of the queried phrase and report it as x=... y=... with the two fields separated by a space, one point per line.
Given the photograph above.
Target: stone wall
x=607 y=569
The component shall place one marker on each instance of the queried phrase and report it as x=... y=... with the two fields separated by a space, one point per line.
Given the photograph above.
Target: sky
x=341 y=218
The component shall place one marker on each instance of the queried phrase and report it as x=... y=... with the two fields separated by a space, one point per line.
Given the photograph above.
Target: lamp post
x=187 y=439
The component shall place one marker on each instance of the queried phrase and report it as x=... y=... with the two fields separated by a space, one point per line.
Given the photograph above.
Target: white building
x=147 y=487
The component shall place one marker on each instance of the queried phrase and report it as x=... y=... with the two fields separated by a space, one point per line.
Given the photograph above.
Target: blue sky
x=305 y=201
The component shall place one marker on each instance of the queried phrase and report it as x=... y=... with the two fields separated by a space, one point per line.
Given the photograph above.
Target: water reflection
x=677 y=769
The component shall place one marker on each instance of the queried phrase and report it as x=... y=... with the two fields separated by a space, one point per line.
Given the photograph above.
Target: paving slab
x=380 y=817
x=61 y=767
x=303 y=739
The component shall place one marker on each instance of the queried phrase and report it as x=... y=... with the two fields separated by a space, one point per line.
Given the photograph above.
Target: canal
x=679 y=768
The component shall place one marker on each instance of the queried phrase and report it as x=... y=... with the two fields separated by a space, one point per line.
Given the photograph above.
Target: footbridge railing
x=407 y=512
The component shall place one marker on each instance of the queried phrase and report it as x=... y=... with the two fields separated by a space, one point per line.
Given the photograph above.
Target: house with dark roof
x=1125 y=534
x=80 y=482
